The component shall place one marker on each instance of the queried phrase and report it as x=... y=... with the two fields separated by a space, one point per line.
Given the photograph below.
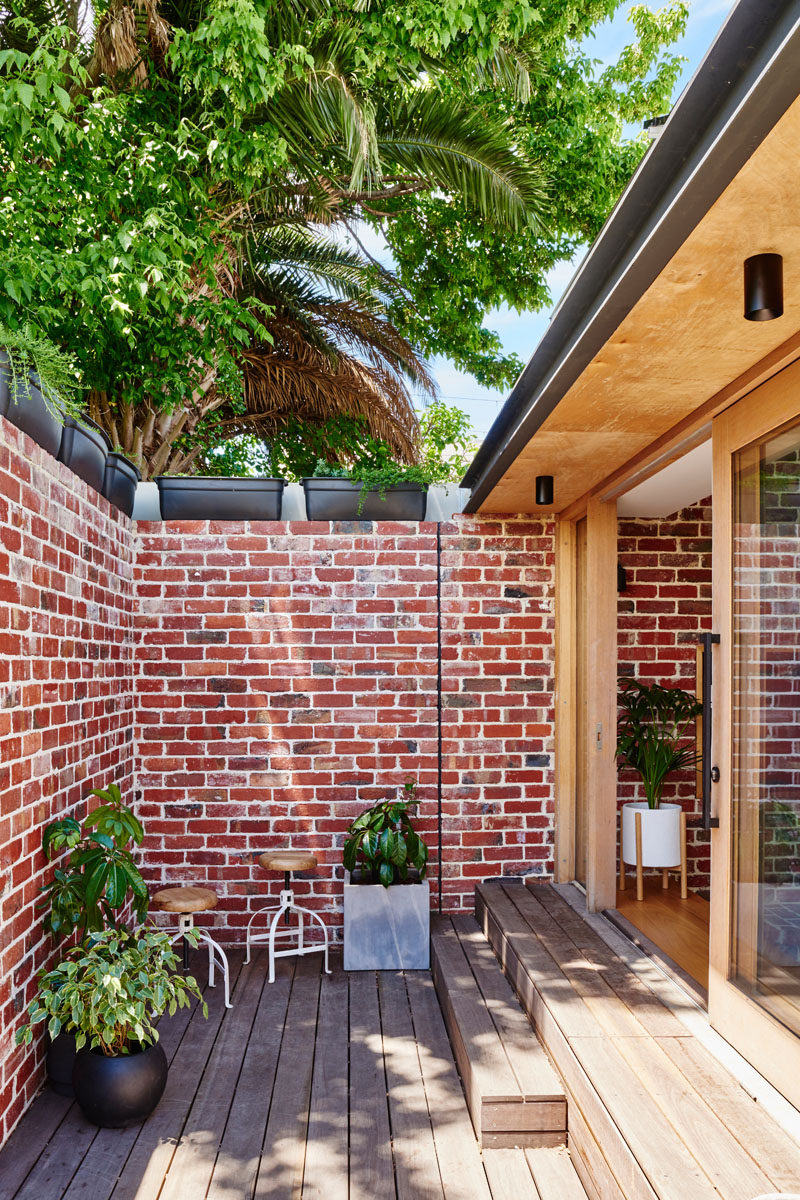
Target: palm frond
x=460 y=150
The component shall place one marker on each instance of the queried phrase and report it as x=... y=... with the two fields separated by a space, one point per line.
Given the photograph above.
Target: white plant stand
x=640 y=859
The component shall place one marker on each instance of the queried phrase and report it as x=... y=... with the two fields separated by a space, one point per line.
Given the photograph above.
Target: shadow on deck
x=339 y=1086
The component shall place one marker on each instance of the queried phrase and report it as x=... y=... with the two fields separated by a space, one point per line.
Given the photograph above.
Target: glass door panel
x=765 y=712
x=581 y=702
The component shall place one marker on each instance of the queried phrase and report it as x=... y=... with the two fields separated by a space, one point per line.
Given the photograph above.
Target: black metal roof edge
x=746 y=82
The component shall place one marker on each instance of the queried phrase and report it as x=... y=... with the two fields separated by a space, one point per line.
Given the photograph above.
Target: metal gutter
x=745 y=84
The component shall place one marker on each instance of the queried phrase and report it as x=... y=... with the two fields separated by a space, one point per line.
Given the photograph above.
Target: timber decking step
x=513 y=1094
x=652 y=1115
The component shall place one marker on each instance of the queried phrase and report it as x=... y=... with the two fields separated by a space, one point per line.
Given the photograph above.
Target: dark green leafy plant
x=101 y=875
x=110 y=992
x=383 y=842
x=652 y=731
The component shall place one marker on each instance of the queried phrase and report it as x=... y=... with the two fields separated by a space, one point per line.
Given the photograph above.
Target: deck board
x=340 y=1086
x=651 y=1112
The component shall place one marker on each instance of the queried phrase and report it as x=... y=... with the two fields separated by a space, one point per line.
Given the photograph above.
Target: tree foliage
x=177 y=178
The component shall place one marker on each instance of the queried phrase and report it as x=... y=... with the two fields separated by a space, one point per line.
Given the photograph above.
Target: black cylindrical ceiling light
x=763 y=287
x=544 y=489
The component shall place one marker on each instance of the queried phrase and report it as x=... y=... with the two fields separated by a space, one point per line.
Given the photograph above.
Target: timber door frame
x=772 y=1048
x=598 y=741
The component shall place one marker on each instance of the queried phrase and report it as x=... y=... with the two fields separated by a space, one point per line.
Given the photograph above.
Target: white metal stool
x=186 y=901
x=287 y=861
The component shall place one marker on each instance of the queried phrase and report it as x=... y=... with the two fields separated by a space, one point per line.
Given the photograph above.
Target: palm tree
x=326 y=347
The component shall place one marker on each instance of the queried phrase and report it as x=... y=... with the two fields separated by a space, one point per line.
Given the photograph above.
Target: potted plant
x=88 y=894
x=653 y=739
x=109 y=992
x=38 y=384
x=375 y=487
x=386 y=894
x=220 y=497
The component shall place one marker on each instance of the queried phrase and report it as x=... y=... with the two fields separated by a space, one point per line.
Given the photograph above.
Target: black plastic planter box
x=84 y=449
x=28 y=411
x=120 y=482
x=218 y=498
x=339 y=499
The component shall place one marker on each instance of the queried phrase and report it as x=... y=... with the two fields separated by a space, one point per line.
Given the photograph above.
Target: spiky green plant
x=653 y=732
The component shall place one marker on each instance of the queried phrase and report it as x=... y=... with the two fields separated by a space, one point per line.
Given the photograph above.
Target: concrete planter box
x=386 y=929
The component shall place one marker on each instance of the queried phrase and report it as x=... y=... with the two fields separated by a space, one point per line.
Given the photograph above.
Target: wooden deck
x=339 y=1087
x=652 y=1115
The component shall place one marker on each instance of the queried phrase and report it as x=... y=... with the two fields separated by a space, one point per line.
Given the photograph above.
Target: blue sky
x=521 y=332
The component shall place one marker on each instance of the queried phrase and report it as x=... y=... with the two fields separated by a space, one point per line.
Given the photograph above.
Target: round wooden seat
x=287 y=860
x=184 y=899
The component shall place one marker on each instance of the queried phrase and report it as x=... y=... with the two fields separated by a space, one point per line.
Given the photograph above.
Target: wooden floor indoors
x=677 y=927
x=336 y=1087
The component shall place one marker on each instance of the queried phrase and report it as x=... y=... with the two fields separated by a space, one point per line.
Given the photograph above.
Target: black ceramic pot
x=119 y=482
x=84 y=449
x=59 y=1062
x=113 y=1092
x=219 y=498
x=339 y=500
x=26 y=409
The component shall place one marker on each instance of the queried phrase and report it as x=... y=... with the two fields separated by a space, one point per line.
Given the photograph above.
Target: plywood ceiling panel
x=684 y=340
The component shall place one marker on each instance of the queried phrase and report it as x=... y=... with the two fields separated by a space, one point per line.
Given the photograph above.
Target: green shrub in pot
x=655 y=739
x=109 y=992
x=92 y=890
x=382 y=844
x=386 y=924
x=97 y=884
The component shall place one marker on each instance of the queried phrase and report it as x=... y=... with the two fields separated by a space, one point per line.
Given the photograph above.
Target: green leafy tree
x=156 y=160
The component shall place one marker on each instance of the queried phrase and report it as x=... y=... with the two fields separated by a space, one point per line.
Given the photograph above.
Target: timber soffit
x=744 y=85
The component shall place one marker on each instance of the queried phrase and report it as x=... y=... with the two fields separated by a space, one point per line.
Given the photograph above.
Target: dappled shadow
x=335 y=1086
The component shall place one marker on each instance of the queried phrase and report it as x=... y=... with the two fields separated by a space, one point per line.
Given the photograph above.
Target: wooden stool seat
x=184 y=899
x=287 y=860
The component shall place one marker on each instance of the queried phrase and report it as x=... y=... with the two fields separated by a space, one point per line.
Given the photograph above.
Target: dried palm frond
x=314 y=383
x=129 y=34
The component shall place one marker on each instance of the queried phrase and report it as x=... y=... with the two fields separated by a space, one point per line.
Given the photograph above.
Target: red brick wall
x=287 y=678
x=665 y=607
x=497 y=604
x=66 y=711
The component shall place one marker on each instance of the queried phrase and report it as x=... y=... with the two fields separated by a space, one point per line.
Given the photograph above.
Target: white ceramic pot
x=661 y=834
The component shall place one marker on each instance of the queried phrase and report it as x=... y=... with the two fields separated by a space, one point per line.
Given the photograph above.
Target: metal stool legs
x=215 y=952
x=285 y=908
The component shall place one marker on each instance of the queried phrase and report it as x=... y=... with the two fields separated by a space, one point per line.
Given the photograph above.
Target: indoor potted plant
x=386 y=894
x=89 y=893
x=220 y=497
x=38 y=385
x=653 y=739
x=109 y=992
x=375 y=487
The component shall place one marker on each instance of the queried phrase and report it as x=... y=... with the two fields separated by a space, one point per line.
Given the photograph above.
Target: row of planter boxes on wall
x=79 y=444
x=214 y=498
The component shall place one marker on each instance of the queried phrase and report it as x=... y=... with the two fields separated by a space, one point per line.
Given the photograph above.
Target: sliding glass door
x=754 y=993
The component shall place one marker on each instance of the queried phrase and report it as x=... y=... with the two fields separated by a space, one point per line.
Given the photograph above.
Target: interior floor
x=677 y=927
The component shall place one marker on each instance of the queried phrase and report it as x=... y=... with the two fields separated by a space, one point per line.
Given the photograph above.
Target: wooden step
x=641 y=1125
x=514 y=1096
